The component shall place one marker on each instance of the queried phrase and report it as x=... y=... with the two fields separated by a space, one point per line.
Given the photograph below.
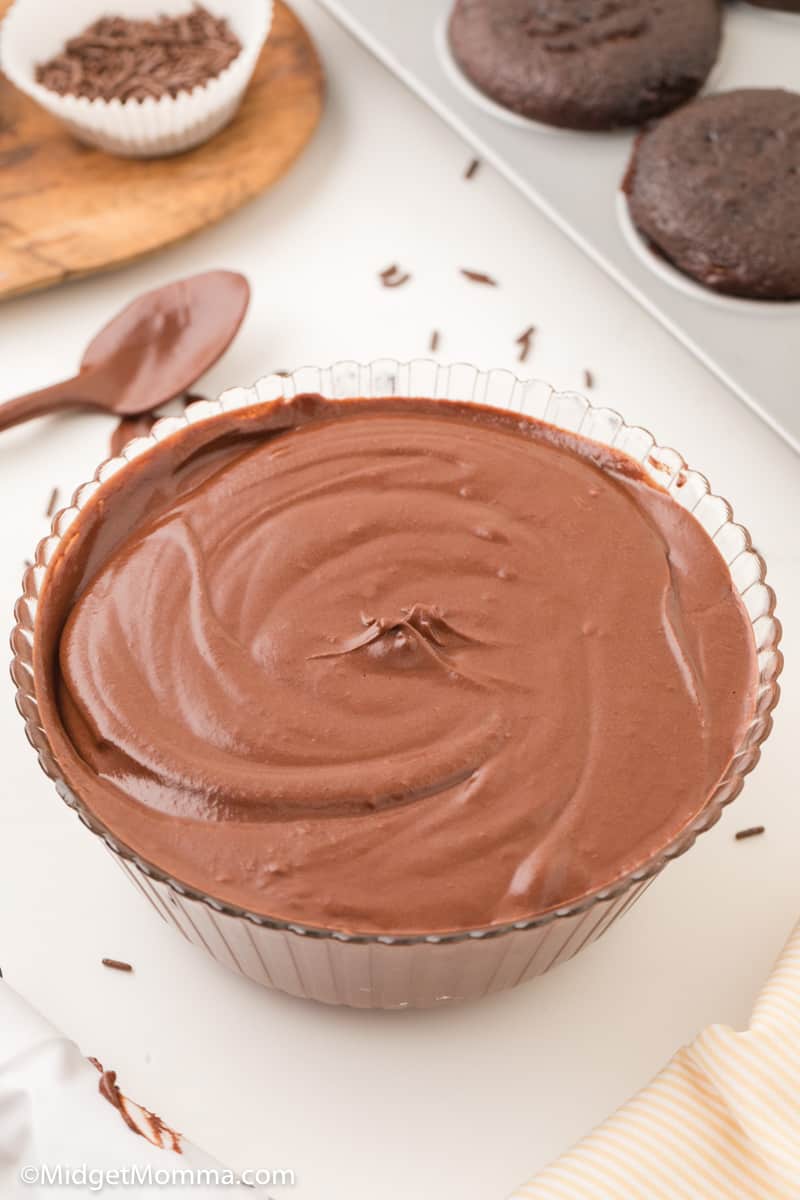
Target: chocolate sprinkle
x=588 y=379
x=472 y=169
x=393 y=277
x=52 y=503
x=753 y=831
x=478 y=277
x=434 y=342
x=121 y=59
x=116 y=964
x=525 y=343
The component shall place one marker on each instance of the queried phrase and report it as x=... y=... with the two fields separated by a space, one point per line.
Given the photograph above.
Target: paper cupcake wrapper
x=369 y=971
x=34 y=30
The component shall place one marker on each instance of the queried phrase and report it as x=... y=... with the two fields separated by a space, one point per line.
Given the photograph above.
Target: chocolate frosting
x=391 y=666
x=139 y=1120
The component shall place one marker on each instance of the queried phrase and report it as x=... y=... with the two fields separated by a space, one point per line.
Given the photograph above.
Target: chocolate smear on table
x=138 y=1119
x=393 y=277
x=753 y=831
x=478 y=277
x=525 y=343
x=472 y=169
x=121 y=59
x=52 y=503
x=116 y=964
x=434 y=342
x=588 y=379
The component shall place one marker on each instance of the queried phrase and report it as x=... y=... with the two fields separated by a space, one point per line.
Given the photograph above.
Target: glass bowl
x=372 y=971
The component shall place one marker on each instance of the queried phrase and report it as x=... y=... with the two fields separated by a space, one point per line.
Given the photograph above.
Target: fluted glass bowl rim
x=430 y=379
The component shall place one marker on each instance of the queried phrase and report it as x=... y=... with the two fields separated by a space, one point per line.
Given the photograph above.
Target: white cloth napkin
x=52 y=1115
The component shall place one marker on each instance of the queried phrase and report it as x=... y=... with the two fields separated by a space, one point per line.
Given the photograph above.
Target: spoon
x=150 y=352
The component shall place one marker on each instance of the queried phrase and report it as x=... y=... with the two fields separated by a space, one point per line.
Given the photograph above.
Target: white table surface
x=471 y=1100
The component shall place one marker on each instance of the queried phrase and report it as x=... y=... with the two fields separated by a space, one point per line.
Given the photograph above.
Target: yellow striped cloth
x=721 y=1122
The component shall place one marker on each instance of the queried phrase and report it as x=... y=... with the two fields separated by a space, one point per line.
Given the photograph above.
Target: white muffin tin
x=754 y=347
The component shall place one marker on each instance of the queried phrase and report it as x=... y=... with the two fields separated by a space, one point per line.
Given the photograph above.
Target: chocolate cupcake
x=715 y=188
x=354 y=693
x=586 y=64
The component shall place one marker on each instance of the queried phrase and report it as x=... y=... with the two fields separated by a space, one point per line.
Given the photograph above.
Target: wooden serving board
x=68 y=210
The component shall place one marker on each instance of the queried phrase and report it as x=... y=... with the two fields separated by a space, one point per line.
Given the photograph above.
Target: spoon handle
x=67 y=394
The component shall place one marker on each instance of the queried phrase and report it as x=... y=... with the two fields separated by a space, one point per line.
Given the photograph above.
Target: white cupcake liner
x=335 y=966
x=36 y=30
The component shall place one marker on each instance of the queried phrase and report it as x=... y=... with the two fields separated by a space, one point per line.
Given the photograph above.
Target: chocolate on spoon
x=151 y=352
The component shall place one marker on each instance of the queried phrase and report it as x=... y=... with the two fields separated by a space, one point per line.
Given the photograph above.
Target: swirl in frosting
x=392 y=666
